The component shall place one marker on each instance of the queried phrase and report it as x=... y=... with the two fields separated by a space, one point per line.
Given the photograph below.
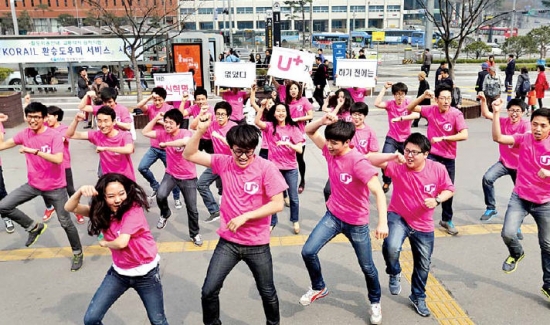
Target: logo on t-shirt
x=360 y=95
x=240 y=99
x=363 y=143
x=545 y=160
x=447 y=126
x=46 y=149
x=285 y=138
x=251 y=187
x=346 y=178
x=179 y=149
x=299 y=107
x=429 y=188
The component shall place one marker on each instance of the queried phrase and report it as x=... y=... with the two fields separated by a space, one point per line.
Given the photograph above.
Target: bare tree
x=299 y=6
x=467 y=15
x=136 y=22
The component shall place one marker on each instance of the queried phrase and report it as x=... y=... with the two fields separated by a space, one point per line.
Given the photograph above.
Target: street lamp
x=14 y=18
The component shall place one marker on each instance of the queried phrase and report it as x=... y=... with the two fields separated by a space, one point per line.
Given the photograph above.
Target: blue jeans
x=446 y=206
x=359 y=237
x=291 y=178
x=422 y=246
x=390 y=146
x=148 y=159
x=517 y=210
x=491 y=175
x=148 y=287
x=57 y=198
x=225 y=258
x=203 y=186
x=189 y=189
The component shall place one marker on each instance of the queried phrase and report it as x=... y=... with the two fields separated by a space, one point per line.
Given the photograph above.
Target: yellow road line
x=443 y=306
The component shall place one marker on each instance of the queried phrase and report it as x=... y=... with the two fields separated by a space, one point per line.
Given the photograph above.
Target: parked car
x=14 y=79
x=495 y=49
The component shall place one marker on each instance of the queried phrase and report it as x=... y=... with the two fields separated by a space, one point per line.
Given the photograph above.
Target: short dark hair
x=540 y=67
x=36 y=107
x=160 y=91
x=175 y=115
x=223 y=105
x=104 y=67
x=517 y=102
x=442 y=87
x=397 y=87
x=201 y=91
x=81 y=69
x=340 y=131
x=524 y=70
x=244 y=136
x=511 y=56
x=108 y=93
x=56 y=111
x=420 y=140
x=445 y=70
x=320 y=50
x=544 y=112
x=106 y=110
x=359 y=107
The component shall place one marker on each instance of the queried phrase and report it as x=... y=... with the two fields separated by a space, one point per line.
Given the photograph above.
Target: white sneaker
x=220 y=200
x=312 y=295
x=10 y=228
x=178 y=204
x=197 y=240
x=375 y=313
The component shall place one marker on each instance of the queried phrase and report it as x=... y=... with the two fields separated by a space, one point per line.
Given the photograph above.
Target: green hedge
x=4 y=73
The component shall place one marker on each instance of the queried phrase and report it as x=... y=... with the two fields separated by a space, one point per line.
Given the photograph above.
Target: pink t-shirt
x=3 y=132
x=62 y=129
x=244 y=190
x=195 y=111
x=509 y=155
x=282 y=156
x=141 y=248
x=446 y=124
x=281 y=90
x=358 y=94
x=300 y=108
x=122 y=114
x=151 y=112
x=411 y=188
x=112 y=162
x=348 y=175
x=176 y=165
x=399 y=131
x=345 y=116
x=220 y=146
x=534 y=156
x=42 y=174
x=237 y=103
x=365 y=140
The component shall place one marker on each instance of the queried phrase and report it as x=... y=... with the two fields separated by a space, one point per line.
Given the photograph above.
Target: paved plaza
x=466 y=286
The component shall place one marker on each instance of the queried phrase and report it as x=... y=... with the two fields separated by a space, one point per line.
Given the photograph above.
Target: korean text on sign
x=356 y=73
x=234 y=74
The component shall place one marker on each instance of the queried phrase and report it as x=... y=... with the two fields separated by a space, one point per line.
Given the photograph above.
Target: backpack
x=525 y=86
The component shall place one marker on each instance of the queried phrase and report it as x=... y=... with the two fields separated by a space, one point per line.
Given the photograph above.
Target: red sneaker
x=48 y=214
x=80 y=219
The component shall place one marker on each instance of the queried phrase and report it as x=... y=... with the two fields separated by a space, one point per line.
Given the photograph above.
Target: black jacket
x=320 y=76
x=480 y=77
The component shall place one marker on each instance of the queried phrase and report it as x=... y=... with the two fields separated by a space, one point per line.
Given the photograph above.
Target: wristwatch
x=438 y=200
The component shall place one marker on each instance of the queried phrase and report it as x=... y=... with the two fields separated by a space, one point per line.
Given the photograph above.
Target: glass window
x=260 y=10
x=260 y=24
x=186 y=11
x=245 y=25
x=206 y=25
x=320 y=8
x=376 y=8
x=245 y=10
x=394 y=8
x=206 y=11
x=285 y=10
x=190 y=26
x=337 y=23
x=339 y=9
x=357 y=8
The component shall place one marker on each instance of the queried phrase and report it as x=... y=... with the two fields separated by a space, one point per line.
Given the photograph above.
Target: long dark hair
x=289 y=98
x=270 y=117
x=101 y=215
x=348 y=100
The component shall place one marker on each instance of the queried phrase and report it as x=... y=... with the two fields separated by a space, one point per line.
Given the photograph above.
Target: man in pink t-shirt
x=398 y=131
x=358 y=94
x=201 y=103
x=352 y=179
x=236 y=98
x=531 y=194
x=114 y=146
x=446 y=127
x=123 y=119
x=179 y=172
x=10 y=228
x=252 y=193
x=420 y=185
x=508 y=160
x=43 y=150
x=155 y=152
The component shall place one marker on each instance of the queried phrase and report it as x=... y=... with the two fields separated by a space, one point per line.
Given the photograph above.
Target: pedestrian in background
x=523 y=85
x=541 y=84
x=427 y=62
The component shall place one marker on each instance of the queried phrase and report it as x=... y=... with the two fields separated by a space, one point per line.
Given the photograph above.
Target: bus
x=290 y=36
x=496 y=34
x=325 y=40
x=398 y=36
x=417 y=38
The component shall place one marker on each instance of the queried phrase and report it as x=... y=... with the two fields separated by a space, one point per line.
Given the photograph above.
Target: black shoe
x=35 y=233
x=78 y=259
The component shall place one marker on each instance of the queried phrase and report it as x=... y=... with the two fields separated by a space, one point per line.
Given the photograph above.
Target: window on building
x=339 y=9
x=245 y=10
x=285 y=10
x=357 y=8
x=338 y=23
x=206 y=11
x=66 y=3
x=394 y=8
x=285 y=25
x=190 y=26
x=245 y=25
x=186 y=11
x=376 y=8
x=206 y=25
x=49 y=3
x=260 y=24
x=261 y=10
x=114 y=3
x=320 y=8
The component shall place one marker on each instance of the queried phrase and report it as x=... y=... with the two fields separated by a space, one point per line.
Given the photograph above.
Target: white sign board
x=62 y=50
x=291 y=64
x=234 y=74
x=356 y=73
x=176 y=84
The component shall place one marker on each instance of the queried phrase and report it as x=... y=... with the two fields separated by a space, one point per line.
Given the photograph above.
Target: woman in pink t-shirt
x=284 y=140
x=301 y=111
x=339 y=104
x=117 y=217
